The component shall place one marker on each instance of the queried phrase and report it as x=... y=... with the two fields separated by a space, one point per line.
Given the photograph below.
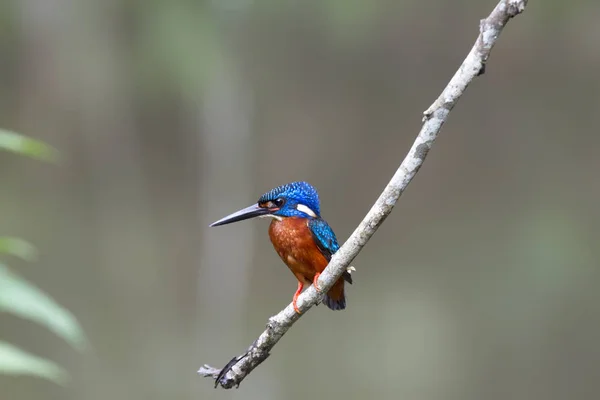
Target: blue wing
x=325 y=240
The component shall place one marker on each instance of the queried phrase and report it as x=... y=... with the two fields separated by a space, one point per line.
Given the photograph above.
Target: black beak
x=247 y=213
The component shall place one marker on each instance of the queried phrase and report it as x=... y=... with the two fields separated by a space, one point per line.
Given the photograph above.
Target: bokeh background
x=482 y=284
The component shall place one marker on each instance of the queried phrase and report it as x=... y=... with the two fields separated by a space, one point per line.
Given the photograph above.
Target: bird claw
x=315 y=284
x=296 y=308
x=295 y=298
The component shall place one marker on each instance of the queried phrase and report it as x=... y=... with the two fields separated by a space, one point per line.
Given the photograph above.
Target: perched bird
x=303 y=239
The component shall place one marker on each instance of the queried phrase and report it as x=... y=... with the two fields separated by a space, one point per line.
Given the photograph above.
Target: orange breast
x=294 y=243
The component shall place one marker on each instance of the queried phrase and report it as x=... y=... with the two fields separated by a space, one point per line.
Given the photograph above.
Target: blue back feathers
x=294 y=193
x=326 y=241
x=324 y=237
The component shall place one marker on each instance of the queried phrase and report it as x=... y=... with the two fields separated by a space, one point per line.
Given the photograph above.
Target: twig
x=434 y=117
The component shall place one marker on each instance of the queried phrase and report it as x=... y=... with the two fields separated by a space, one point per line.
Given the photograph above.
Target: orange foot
x=296 y=307
x=318 y=289
x=295 y=298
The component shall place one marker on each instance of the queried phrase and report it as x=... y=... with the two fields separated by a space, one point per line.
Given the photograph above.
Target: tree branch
x=434 y=117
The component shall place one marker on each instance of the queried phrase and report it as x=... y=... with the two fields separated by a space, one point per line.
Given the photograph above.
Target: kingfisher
x=304 y=241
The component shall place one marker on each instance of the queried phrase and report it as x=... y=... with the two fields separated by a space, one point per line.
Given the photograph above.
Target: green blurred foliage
x=18 y=248
x=21 y=298
x=14 y=361
x=20 y=144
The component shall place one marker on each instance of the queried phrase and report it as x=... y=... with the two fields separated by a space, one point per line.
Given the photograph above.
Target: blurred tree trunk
x=227 y=184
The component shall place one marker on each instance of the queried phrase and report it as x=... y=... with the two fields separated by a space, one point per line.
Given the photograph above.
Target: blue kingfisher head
x=296 y=199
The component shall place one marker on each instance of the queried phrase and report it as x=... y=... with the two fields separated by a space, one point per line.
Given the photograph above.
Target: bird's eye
x=278 y=202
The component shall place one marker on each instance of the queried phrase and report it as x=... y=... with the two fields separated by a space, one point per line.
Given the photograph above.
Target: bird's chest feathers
x=294 y=243
x=289 y=236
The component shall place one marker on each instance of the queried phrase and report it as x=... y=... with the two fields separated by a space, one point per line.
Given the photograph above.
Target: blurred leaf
x=20 y=144
x=18 y=248
x=14 y=361
x=19 y=297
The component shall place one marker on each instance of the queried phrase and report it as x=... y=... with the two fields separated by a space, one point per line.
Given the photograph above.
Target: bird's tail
x=335 y=298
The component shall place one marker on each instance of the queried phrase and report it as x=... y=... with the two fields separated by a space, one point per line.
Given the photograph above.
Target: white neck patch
x=306 y=210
